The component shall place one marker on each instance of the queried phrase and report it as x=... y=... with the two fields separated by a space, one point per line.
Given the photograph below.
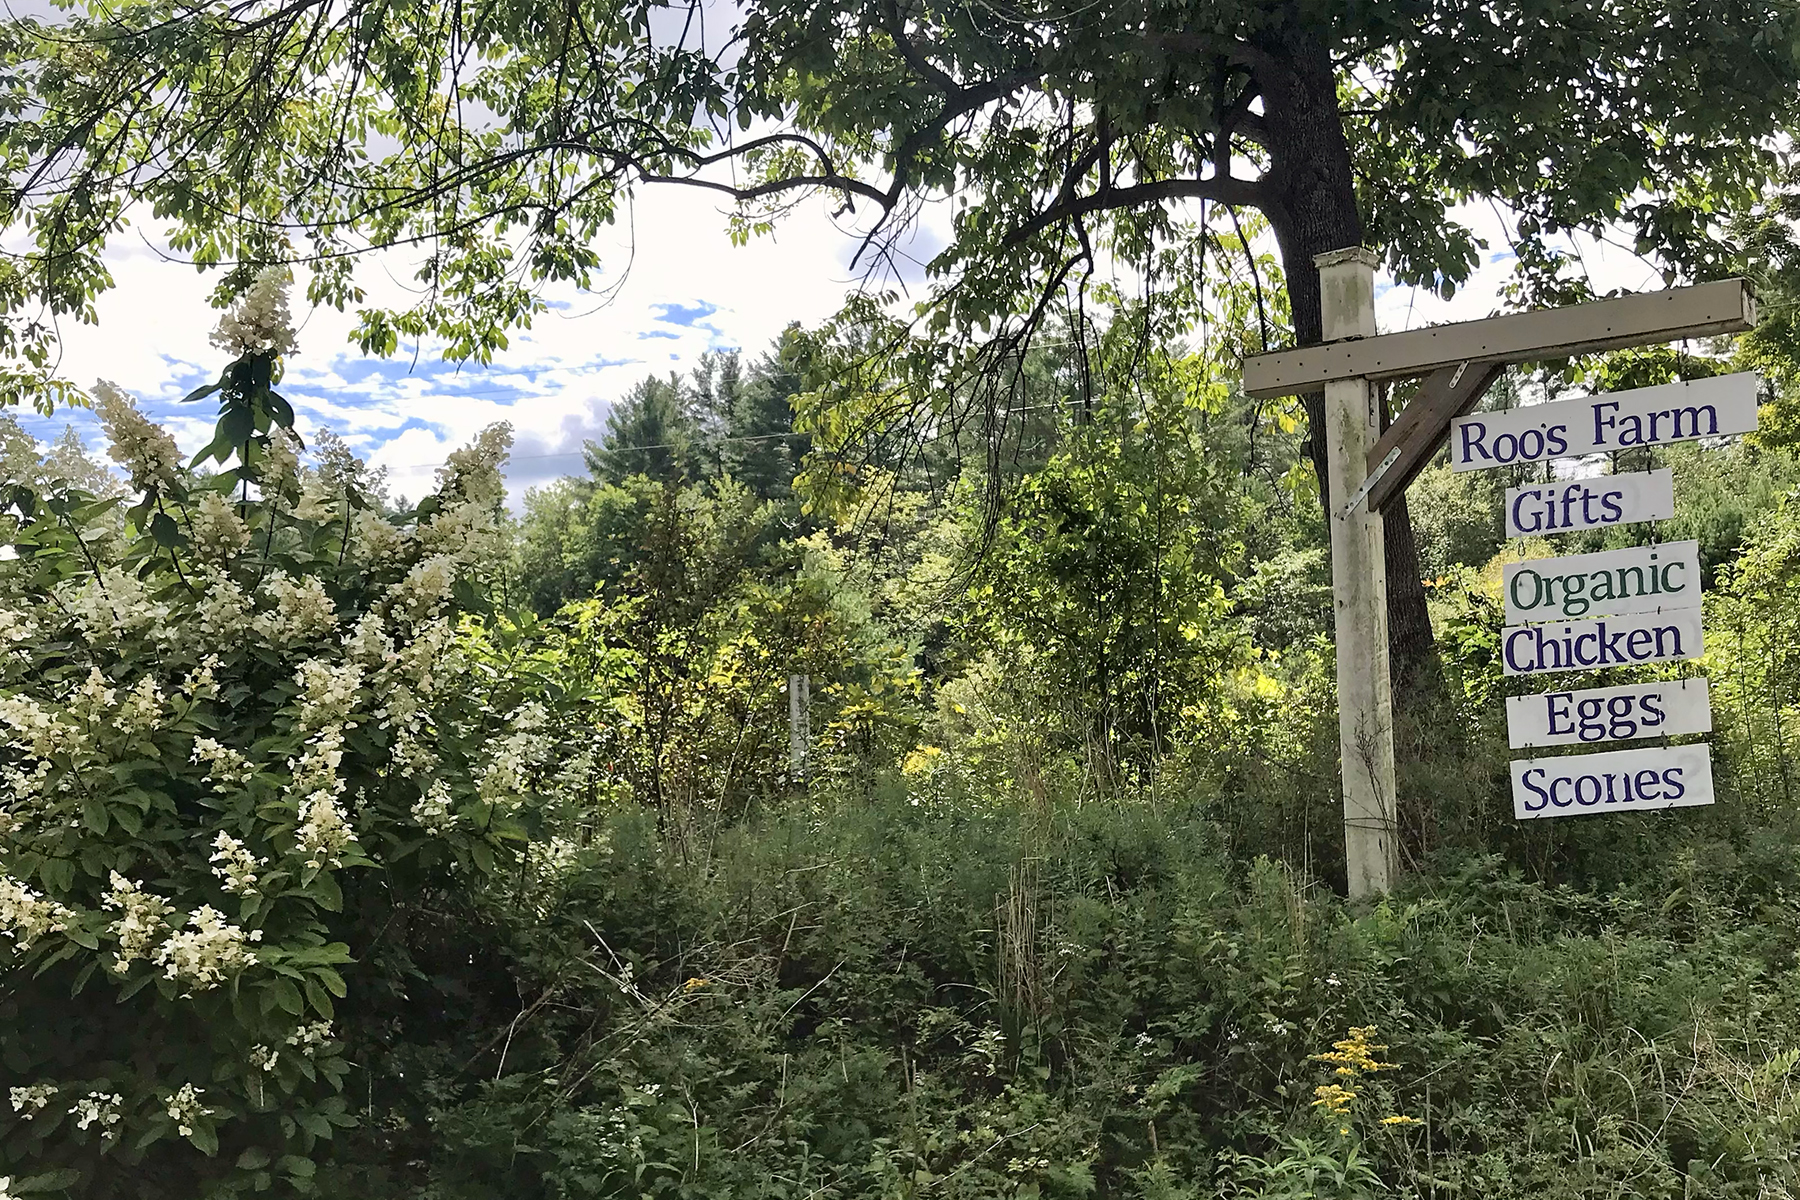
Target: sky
x=687 y=291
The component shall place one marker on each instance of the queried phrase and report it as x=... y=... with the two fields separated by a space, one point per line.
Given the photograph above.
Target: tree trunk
x=1314 y=211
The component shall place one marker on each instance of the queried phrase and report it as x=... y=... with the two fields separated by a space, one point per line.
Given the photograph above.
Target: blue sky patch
x=684 y=314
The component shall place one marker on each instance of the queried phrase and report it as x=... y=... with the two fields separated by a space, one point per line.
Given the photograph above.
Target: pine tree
x=650 y=432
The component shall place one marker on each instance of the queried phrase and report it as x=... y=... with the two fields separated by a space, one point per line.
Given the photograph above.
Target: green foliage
x=981 y=1000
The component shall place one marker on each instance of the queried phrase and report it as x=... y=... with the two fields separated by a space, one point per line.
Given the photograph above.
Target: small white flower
x=97 y=1106
x=235 y=865
x=31 y=1100
x=184 y=1108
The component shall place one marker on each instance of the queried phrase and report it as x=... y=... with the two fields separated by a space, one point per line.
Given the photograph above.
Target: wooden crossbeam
x=1704 y=310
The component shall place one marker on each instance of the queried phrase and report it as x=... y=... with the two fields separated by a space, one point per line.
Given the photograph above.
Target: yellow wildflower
x=1399 y=1120
x=1355 y=1054
x=1333 y=1098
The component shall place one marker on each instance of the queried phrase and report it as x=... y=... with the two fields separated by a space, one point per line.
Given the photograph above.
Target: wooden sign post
x=1457 y=362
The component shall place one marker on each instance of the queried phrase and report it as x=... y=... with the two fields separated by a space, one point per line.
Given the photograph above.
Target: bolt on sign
x=1617 y=608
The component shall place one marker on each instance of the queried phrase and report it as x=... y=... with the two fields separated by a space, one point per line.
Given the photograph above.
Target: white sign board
x=1594 y=503
x=1609 y=714
x=1637 y=579
x=1616 y=781
x=1652 y=416
x=1606 y=642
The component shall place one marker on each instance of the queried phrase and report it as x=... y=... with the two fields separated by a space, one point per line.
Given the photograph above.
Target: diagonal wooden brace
x=1411 y=441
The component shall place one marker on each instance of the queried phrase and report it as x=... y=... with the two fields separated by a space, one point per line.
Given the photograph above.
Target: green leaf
x=201 y=393
x=205 y=1138
x=166 y=532
x=59 y=1180
x=321 y=1003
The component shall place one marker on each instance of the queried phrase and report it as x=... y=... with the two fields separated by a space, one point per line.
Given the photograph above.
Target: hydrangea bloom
x=302 y=612
x=310 y=1039
x=141 y=920
x=218 y=532
x=29 y=1100
x=225 y=767
x=260 y=324
x=324 y=834
x=432 y=810
x=211 y=948
x=235 y=865
x=141 y=708
x=97 y=1106
x=327 y=692
x=144 y=448
x=26 y=916
x=184 y=1108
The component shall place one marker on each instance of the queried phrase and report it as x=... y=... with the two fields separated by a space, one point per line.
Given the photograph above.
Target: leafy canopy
x=496 y=139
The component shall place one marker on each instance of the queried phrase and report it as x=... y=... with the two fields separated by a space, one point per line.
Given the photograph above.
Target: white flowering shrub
x=234 y=741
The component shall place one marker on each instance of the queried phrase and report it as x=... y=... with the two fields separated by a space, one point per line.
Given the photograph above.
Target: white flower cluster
x=310 y=1039
x=225 y=767
x=111 y=605
x=316 y=504
x=473 y=473
x=31 y=1100
x=201 y=957
x=324 y=833
x=141 y=707
x=263 y=1058
x=235 y=865
x=512 y=759
x=422 y=595
x=327 y=693
x=26 y=916
x=140 y=445
x=260 y=324
x=93 y=700
x=218 y=532
x=373 y=539
x=224 y=612
x=184 y=1108
x=432 y=810
x=140 y=925
x=97 y=1106
x=31 y=727
x=302 y=612
x=198 y=683
x=281 y=474
x=19 y=627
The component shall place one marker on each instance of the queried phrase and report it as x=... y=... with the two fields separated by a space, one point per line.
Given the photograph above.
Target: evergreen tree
x=651 y=432
x=763 y=451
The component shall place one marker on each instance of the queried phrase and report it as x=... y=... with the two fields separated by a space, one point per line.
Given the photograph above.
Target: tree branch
x=1224 y=190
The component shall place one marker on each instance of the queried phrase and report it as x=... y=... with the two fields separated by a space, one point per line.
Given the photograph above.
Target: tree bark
x=1313 y=211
